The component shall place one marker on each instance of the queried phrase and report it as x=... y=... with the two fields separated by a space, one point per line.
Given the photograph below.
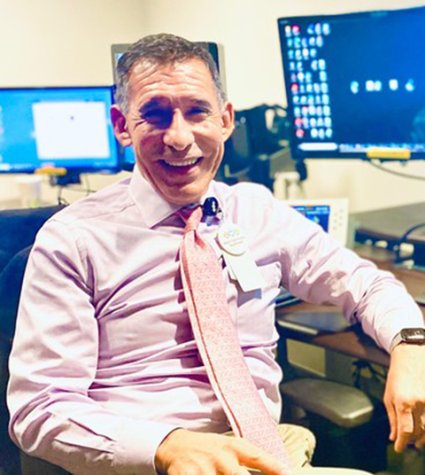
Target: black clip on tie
x=210 y=207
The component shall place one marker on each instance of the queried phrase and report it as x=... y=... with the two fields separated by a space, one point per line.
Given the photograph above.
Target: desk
x=353 y=342
x=10 y=204
x=390 y=224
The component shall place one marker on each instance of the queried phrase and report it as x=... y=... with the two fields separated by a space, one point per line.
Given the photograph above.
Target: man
x=105 y=372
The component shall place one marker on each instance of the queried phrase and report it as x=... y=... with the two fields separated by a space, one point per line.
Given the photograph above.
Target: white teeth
x=185 y=163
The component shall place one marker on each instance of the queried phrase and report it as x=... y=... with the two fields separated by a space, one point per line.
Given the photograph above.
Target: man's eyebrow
x=161 y=102
x=201 y=103
x=153 y=103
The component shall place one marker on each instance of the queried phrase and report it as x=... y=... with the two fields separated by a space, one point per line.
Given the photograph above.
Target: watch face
x=413 y=335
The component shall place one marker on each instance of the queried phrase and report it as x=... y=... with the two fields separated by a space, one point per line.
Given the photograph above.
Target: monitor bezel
x=79 y=168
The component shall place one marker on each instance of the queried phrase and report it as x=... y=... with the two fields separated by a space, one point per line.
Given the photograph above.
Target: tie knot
x=192 y=217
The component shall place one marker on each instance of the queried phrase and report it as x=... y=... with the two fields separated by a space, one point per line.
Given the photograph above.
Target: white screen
x=70 y=130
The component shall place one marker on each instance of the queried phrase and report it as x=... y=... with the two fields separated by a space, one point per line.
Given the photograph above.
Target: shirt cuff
x=413 y=319
x=137 y=446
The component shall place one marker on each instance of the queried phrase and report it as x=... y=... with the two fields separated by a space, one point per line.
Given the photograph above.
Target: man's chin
x=183 y=200
x=183 y=196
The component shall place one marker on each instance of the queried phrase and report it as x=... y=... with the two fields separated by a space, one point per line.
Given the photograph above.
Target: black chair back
x=18 y=229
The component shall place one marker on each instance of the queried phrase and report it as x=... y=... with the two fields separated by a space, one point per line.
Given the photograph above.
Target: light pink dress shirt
x=104 y=364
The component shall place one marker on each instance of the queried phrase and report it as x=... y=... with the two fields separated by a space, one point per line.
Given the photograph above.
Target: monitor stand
x=70 y=178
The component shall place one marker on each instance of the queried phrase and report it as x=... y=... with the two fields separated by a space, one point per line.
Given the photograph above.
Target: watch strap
x=411 y=336
x=396 y=341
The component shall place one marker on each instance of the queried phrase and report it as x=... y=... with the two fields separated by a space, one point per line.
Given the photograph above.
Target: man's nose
x=179 y=133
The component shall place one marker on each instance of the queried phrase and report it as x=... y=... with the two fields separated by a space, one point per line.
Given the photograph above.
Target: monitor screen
x=59 y=127
x=318 y=213
x=355 y=84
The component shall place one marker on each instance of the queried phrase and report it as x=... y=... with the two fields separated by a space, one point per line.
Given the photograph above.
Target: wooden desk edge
x=350 y=342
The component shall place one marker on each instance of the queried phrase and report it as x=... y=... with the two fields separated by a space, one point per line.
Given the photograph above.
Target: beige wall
x=58 y=42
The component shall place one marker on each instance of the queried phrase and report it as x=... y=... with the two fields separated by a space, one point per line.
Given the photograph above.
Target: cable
x=403 y=238
x=397 y=247
x=393 y=172
x=358 y=373
x=87 y=185
x=61 y=200
x=84 y=189
x=238 y=174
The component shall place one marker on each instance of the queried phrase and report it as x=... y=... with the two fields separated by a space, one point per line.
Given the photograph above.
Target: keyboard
x=285 y=298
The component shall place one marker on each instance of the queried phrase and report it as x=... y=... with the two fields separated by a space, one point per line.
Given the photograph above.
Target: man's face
x=177 y=127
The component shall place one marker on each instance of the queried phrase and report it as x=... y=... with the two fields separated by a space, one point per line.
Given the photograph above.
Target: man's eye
x=197 y=111
x=159 y=117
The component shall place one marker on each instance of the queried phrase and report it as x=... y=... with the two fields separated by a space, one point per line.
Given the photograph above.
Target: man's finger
x=255 y=458
x=241 y=471
x=419 y=426
x=392 y=419
x=405 y=429
x=420 y=429
x=229 y=463
x=420 y=442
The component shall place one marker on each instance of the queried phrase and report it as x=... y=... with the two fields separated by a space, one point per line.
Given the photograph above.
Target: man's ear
x=119 y=124
x=228 y=120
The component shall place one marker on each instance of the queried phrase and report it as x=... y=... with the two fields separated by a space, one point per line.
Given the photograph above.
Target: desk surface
x=354 y=342
x=389 y=224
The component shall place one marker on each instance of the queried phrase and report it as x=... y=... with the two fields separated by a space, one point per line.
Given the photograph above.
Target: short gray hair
x=162 y=49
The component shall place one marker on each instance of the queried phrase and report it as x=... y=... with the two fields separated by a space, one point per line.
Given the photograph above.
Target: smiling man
x=177 y=121
x=106 y=373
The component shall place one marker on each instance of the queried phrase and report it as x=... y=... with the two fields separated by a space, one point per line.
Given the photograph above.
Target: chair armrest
x=344 y=405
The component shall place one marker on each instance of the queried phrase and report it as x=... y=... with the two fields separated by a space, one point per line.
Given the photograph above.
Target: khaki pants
x=300 y=444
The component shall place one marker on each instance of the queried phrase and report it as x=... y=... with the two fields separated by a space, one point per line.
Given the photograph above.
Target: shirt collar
x=153 y=207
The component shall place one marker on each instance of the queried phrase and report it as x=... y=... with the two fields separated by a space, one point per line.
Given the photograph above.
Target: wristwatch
x=415 y=336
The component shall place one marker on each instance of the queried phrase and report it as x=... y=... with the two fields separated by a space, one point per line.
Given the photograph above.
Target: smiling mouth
x=182 y=163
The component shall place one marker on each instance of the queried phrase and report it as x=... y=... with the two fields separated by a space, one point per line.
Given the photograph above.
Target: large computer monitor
x=63 y=128
x=355 y=84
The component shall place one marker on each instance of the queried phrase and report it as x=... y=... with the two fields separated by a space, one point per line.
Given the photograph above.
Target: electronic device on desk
x=332 y=216
x=117 y=50
x=346 y=75
x=59 y=131
x=400 y=230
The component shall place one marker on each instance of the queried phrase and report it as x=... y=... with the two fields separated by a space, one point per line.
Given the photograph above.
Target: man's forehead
x=188 y=81
x=171 y=69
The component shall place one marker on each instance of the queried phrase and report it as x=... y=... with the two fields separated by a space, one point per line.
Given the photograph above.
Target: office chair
x=18 y=230
x=341 y=416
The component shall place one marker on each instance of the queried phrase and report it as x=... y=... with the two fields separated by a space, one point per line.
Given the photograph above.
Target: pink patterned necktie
x=218 y=343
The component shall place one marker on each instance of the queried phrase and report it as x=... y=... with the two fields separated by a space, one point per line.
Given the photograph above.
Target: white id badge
x=239 y=260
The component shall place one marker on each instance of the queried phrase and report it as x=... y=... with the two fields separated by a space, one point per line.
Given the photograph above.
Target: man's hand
x=185 y=452
x=404 y=396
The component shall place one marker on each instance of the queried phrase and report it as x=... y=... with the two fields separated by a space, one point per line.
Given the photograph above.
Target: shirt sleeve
x=53 y=363
x=318 y=269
